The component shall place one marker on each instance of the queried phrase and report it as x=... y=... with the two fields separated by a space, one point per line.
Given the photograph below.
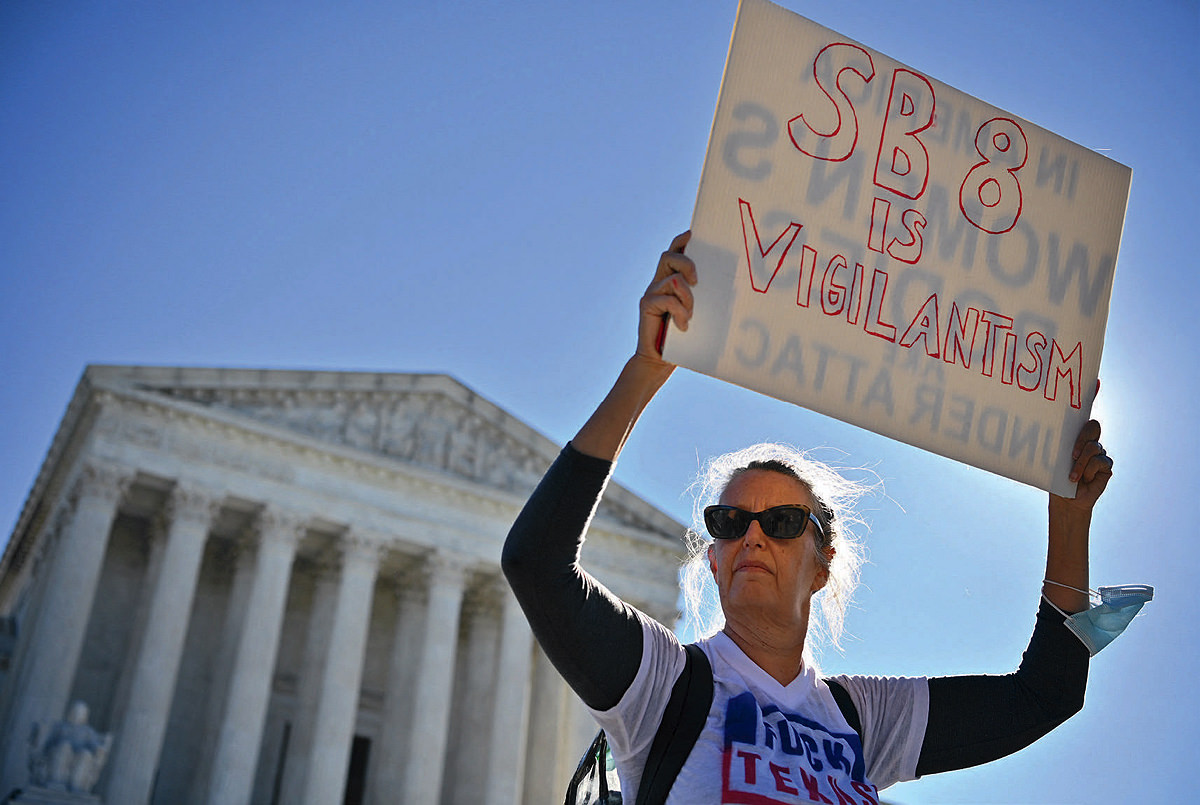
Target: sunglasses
x=778 y=522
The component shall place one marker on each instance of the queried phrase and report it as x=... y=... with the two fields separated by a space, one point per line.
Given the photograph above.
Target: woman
x=775 y=732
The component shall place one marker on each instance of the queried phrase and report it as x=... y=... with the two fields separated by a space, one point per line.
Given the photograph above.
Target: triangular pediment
x=430 y=421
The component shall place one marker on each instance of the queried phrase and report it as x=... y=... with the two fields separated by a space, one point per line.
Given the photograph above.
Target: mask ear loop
x=1091 y=594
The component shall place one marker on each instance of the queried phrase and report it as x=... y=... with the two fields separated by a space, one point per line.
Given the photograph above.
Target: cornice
x=364 y=462
x=293 y=447
x=124 y=404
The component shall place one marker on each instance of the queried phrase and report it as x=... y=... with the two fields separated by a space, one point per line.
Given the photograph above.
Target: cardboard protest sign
x=877 y=246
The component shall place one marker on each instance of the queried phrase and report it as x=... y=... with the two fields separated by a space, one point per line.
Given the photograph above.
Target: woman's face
x=766 y=580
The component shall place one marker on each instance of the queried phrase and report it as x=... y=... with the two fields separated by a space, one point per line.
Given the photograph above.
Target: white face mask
x=1101 y=624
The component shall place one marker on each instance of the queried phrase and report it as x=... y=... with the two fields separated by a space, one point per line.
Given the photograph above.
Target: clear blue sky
x=482 y=189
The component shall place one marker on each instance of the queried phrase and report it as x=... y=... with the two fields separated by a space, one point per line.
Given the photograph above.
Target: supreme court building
x=284 y=587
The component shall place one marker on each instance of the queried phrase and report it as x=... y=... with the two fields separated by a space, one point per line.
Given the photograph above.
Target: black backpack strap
x=682 y=723
x=846 y=705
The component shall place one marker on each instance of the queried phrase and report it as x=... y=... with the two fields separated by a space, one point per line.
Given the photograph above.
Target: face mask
x=1102 y=623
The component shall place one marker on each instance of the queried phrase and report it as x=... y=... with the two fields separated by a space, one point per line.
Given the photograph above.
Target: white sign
x=877 y=246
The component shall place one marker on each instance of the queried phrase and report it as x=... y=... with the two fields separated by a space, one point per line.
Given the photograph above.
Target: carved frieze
x=426 y=421
x=428 y=429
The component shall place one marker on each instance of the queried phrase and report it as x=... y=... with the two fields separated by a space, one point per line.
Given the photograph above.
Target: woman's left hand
x=1091 y=470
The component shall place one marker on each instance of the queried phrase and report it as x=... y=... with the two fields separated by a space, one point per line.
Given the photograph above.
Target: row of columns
x=418 y=698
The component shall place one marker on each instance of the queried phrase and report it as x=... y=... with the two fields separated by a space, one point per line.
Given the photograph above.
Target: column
x=545 y=752
x=392 y=752
x=510 y=719
x=473 y=702
x=232 y=774
x=320 y=629
x=154 y=546
x=580 y=727
x=40 y=562
x=139 y=742
x=435 y=682
x=239 y=554
x=54 y=649
x=337 y=705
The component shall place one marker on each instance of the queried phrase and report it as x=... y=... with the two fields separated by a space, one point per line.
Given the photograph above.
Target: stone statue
x=68 y=755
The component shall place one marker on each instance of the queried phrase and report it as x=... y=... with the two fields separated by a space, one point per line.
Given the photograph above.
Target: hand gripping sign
x=877 y=246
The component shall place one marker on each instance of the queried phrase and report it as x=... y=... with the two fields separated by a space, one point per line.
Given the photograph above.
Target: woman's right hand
x=669 y=296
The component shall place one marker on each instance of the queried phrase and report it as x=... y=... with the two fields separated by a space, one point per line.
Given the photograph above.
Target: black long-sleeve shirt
x=595 y=641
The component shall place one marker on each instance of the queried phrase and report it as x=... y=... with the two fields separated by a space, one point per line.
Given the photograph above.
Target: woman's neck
x=777 y=651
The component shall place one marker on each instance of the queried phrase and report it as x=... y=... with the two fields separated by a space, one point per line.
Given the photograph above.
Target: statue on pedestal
x=67 y=755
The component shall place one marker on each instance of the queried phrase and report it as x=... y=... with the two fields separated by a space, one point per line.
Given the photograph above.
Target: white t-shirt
x=765 y=743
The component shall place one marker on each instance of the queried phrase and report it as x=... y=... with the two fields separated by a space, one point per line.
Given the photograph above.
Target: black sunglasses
x=778 y=522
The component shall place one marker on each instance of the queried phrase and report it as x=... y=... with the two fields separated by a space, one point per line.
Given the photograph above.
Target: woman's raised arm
x=593 y=638
x=1071 y=521
x=977 y=719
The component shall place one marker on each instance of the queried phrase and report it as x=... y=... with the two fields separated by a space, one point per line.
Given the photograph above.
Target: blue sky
x=482 y=189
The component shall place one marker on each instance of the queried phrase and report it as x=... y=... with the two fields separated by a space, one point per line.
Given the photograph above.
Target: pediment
x=427 y=420
x=426 y=428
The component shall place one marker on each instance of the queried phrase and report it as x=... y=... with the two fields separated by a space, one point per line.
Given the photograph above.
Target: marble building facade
x=283 y=587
